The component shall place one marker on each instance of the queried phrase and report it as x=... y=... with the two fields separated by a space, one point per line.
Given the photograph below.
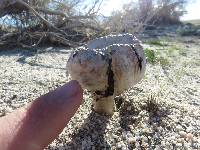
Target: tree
x=135 y=16
x=57 y=21
x=170 y=11
x=146 y=7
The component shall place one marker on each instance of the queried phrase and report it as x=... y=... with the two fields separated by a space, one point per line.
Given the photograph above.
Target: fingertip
x=43 y=119
x=79 y=91
x=76 y=84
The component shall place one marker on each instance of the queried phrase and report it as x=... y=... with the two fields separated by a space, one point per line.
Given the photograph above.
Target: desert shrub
x=57 y=22
x=154 y=57
x=188 y=30
x=150 y=55
x=136 y=15
x=123 y=21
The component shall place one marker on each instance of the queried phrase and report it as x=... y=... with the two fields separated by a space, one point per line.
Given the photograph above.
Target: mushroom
x=108 y=66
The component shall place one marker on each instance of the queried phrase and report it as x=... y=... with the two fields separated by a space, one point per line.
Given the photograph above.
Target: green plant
x=150 y=55
x=154 y=57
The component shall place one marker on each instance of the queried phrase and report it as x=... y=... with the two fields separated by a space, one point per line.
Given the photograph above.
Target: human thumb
x=38 y=124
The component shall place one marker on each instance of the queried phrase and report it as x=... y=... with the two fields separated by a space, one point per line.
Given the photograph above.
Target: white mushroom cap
x=89 y=68
x=114 y=58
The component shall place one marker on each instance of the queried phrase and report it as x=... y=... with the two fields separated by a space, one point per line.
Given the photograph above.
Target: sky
x=193 y=11
x=193 y=8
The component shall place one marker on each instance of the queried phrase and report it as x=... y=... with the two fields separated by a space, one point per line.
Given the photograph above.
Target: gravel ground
x=161 y=112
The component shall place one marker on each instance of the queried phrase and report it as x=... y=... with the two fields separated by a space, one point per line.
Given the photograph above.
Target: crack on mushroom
x=110 y=89
x=138 y=56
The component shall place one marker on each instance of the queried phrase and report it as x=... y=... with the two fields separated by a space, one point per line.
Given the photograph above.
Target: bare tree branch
x=34 y=24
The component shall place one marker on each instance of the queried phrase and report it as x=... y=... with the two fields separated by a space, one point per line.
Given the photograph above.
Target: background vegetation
x=30 y=23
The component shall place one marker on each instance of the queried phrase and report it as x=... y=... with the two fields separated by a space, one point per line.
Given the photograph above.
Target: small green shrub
x=150 y=55
x=154 y=57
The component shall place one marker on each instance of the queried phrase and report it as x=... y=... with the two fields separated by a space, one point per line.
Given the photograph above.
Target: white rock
x=183 y=134
x=189 y=129
x=119 y=145
x=131 y=140
x=115 y=136
x=61 y=148
x=178 y=144
x=145 y=139
x=180 y=140
x=179 y=128
x=158 y=148
x=8 y=109
x=123 y=146
x=189 y=137
x=172 y=138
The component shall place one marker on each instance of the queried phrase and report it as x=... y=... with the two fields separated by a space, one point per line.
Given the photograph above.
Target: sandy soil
x=161 y=112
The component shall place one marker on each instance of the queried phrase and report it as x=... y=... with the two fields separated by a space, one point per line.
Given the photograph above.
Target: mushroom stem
x=104 y=105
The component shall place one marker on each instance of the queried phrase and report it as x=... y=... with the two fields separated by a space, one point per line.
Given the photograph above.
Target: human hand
x=36 y=125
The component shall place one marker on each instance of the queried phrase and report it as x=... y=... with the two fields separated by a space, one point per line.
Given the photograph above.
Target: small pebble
x=61 y=148
x=129 y=134
x=131 y=140
x=183 y=134
x=119 y=145
x=145 y=130
x=189 y=129
x=186 y=146
x=124 y=134
x=123 y=146
x=129 y=108
x=145 y=139
x=158 y=148
x=180 y=140
x=178 y=144
x=189 y=136
x=9 y=110
x=179 y=128
x=115 y=136
x=137 y=145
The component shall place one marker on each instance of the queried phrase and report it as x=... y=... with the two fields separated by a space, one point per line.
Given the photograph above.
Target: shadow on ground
x=132 y=116
x=24 y=54
x=90 y=134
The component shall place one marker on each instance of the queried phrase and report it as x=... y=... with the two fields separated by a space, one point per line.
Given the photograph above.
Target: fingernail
x=73 y=87
x=70 y=89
